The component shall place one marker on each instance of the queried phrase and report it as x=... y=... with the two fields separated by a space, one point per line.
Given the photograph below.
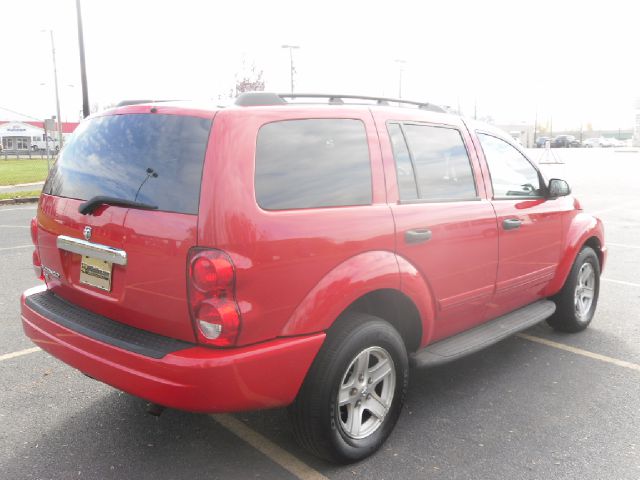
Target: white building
x=636 y=128
x=23 y=136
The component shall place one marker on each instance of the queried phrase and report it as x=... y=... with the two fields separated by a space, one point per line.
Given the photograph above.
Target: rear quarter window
x=312 y=163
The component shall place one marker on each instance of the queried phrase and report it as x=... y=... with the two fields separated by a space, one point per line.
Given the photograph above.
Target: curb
x=13 y=201
x=32 y=184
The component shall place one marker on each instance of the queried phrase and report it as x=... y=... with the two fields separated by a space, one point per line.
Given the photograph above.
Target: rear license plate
x=96 y=273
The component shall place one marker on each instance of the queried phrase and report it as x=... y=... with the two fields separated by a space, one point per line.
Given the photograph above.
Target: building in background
x=636 y=128
x=25 y=136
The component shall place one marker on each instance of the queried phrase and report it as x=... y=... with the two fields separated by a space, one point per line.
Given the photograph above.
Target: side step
x=483 y=335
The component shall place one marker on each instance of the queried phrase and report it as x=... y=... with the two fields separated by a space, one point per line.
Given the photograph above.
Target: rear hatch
x=126 y=262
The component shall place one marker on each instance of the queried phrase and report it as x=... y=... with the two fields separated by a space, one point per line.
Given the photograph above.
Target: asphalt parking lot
x=543 y=405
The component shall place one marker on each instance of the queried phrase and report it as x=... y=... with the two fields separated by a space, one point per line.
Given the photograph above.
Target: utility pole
x=55 y=79
x=400 y=62
x=292 y=68
x=83 y=70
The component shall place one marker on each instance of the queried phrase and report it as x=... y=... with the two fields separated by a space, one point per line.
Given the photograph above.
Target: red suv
x=281 y=253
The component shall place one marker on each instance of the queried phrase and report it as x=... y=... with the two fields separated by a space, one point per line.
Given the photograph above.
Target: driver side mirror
x=558 y=188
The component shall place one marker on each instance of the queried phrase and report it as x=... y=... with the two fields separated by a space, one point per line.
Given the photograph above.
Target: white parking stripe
x=623 y=245
x=267 y=447
x=579 y=351
x=612 y=208
x=19 y=353
x=16 y=247
x=14 y=226
x=630 y=284
x=17 y=209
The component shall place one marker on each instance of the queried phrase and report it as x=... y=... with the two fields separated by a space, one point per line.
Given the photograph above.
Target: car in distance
x=565 y=141
x=592 y=143
x=278 y=253
x=542 y=141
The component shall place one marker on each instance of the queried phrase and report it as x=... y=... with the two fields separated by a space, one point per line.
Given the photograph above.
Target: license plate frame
x=96 y=273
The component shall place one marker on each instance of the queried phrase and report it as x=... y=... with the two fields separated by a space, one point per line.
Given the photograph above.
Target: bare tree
x=249 y=80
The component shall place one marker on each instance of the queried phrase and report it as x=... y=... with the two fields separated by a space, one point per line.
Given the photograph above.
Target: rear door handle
x=511 y=223
x=417 y=236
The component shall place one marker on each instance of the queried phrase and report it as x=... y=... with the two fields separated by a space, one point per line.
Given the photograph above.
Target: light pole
x=400 y=63
x=292 y=69
x=55 y=79
x=83 y=70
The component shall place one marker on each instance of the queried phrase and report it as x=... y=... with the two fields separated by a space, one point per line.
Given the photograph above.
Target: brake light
x=37 y=264
x=34 y=231
x=212 y=303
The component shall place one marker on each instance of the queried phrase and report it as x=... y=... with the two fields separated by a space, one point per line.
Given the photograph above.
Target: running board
x=483 y=335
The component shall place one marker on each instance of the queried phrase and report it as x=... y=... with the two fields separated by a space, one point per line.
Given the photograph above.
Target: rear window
x=312 y=163
x=150 y=158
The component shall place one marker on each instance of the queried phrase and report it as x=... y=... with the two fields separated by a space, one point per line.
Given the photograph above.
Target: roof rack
x=257 y=99
x=124 y=103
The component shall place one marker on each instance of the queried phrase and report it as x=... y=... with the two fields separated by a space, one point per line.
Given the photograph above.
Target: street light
x=291 y=48
x=400 y=63
x=55 y=78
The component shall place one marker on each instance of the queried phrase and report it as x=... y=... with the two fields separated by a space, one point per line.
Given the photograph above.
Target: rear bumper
x=195 y=379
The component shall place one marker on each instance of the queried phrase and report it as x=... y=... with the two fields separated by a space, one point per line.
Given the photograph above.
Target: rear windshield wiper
x=90 y=205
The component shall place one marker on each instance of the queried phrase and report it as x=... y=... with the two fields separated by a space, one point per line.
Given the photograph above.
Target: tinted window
x=312 y=163
x=442 y=165
x=151 y=158
x=511 y=173
x=404 y=169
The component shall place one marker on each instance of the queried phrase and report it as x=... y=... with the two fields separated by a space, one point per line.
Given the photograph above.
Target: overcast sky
x=576 y=61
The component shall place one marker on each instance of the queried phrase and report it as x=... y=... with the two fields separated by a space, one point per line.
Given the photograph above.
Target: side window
x=511 y=173
x=404 y=168
x=440 y=162
x=312 y=163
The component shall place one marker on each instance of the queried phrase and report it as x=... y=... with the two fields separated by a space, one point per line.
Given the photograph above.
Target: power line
x=21 y=114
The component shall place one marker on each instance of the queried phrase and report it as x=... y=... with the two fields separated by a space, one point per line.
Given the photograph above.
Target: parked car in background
x=542 y=141
x=565 y=141
x=269 y=254
x=41 y=145
x=592 y=143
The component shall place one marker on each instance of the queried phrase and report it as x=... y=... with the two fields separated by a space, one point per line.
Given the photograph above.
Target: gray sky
x=575 y=61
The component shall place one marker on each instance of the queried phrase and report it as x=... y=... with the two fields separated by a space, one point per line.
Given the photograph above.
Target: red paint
x=296 y=271
x=197 y=379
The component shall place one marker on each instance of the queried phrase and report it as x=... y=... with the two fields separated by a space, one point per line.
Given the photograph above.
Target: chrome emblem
x=87 y=233
x=50 y=273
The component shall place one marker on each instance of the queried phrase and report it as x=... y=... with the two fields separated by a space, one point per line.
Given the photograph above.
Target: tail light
x=37 y=264
x=212 y=302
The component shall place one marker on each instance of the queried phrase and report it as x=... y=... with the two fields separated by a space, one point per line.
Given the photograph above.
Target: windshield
x=148 y=158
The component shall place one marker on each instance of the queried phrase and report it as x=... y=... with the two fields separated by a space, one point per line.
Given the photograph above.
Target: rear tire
x=576 y=303
x=353 y=394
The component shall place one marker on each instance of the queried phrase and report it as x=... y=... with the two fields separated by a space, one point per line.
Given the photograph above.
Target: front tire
x=576 y=303
x=353 y=394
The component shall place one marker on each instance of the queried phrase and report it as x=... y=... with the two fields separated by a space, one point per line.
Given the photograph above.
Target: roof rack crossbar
x=125 y=103
x=266 y=99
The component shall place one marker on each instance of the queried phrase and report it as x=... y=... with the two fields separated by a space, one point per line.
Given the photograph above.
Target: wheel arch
x=378 y=283
x=585 y=230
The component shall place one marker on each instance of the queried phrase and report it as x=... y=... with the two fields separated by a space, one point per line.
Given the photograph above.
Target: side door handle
x=417 y=236
x=511 y=223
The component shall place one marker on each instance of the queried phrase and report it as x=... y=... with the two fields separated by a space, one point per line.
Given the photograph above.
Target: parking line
x=267 y=447
x=579 y=351
x=612 y=208
x=16 y=248
x=19 y=353
x=14 y=226
x=629 y=284
x=623 y=245
x=17 y=209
